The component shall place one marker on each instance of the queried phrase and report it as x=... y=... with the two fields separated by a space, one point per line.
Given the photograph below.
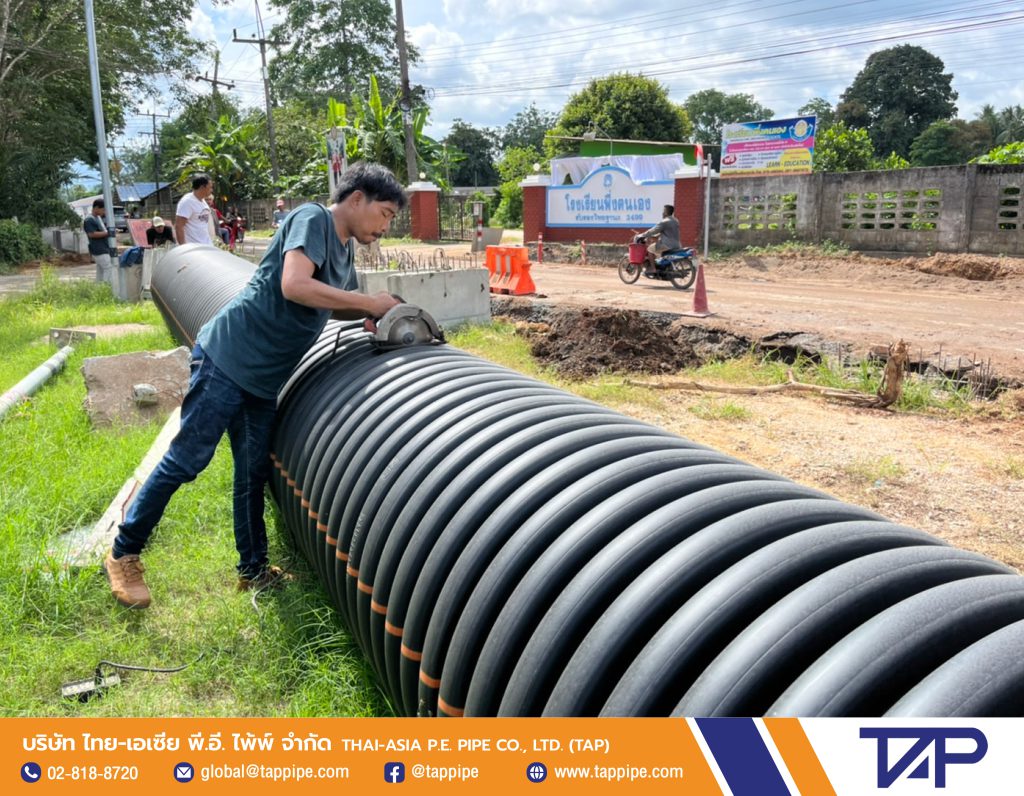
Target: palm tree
x=231 y=158
x=1011 y=122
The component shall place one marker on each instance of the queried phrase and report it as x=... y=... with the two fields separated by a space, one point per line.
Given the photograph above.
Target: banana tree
x=229 y=155
x=374 y=131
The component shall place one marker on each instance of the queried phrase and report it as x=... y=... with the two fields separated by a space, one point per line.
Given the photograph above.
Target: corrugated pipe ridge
x=498 y=546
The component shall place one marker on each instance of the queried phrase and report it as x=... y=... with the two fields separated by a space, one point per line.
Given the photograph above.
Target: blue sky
x=487 y=59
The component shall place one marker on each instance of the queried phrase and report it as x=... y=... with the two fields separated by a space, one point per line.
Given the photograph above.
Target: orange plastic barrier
x=509 y=268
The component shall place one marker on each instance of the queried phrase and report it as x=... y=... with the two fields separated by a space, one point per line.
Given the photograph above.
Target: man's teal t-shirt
x=259 y=337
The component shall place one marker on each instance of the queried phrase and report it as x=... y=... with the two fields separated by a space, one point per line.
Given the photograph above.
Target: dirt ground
x=943 y=306
x=961 y=478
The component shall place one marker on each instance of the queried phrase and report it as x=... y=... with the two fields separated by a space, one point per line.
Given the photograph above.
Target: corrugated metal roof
x=138 y=191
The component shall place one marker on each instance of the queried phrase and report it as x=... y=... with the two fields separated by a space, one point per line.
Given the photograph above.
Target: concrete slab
x=110 y=384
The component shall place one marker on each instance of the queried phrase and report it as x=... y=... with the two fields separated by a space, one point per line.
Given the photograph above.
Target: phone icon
x=31 y=772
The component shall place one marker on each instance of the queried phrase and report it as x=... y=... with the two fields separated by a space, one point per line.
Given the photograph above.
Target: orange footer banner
x=739 y=756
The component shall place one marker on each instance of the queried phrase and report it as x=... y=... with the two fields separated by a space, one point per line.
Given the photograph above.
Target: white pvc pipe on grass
x=34 y=380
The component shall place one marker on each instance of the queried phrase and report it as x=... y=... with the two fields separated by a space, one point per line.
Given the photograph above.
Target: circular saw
x=406 y=325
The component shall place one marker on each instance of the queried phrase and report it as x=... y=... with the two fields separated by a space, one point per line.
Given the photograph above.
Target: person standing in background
x=99 y=248
x=192 y=218
x=279 y=214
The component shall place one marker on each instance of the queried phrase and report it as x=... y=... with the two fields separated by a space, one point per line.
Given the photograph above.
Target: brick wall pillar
x=534 y=207
x=424 y=199
x=689 y=204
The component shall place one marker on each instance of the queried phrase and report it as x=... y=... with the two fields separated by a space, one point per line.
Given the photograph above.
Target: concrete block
x=110 y=383
x=451 y=297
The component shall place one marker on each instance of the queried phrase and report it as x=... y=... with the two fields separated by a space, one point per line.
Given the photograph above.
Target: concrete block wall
x=974 y=208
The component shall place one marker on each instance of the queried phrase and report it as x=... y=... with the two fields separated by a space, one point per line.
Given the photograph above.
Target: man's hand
x=380 y=304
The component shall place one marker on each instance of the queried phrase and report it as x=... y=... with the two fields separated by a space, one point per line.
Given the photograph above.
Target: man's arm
x=298 y=285
x=179 y=228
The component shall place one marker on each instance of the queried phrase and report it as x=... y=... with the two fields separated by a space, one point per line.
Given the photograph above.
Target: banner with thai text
x=779 y=146
x=739 y=756
x=608 y=197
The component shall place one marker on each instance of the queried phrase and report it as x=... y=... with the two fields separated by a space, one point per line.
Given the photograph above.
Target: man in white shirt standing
x=192 y=218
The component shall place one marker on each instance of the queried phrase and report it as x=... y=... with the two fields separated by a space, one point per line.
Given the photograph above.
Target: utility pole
x=215 y=82
x=406 y=102
x=101 y=132
x=156 y=146
x=262 y=41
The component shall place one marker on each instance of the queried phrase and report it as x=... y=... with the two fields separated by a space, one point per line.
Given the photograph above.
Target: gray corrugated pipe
x=34 y=380
x=498 y=546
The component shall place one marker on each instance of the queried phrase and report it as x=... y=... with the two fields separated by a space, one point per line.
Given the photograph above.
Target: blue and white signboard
x=608 y=197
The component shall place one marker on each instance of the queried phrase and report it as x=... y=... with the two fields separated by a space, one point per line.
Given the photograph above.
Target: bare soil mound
x=583 y=343
x=976 y=267
x=62 y=260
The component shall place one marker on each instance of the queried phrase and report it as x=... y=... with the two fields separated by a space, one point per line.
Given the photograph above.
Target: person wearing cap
x=279 y=214
x=160 y=233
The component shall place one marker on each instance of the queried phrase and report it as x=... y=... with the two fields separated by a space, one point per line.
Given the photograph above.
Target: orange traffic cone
x=700 y=296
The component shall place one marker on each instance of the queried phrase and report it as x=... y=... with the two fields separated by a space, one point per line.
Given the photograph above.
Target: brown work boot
x=270 y=578
x=126 y=582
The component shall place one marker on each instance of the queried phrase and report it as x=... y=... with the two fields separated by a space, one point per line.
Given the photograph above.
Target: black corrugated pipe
x=498 y=546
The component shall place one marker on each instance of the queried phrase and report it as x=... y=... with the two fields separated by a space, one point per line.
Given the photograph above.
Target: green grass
x=826 y=248
x=875 y=471
x=710 y=409
x=289 y=656
x=919 y=394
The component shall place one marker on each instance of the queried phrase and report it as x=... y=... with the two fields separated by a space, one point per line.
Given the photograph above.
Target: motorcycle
x=675 y=266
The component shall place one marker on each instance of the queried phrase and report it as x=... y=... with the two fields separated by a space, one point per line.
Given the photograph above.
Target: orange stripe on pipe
x=377 y=608
x=313 y=515
x=321 y=527
x=341 y=556
x=304 y=503
x=332 y=541
x=448 y=710
x=412 y=655
x=298 y=492
x=429 y=681
x=290 y=481
x=352 y=573
x=364 y=588
x=394 y=631
x=800 y=758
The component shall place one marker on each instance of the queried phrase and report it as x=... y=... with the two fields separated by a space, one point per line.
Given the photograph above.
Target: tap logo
x=925 y=738
x=394 y=773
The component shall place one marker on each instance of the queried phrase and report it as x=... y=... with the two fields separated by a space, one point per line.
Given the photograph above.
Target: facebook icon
x=394 y=773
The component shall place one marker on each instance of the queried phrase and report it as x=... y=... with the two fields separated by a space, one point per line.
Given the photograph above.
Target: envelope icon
x=183 y=771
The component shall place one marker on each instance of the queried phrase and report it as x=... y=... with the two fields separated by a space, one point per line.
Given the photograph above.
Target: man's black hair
x=376 y=182
x=97 y=203
x=670 y=209
x=199 y=181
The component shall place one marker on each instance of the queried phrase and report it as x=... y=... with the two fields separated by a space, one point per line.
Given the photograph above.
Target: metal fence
x=455 y=217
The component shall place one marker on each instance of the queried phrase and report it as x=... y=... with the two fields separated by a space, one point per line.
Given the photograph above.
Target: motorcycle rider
x=666 y=234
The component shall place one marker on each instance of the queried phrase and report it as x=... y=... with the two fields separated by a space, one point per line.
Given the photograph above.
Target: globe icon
x=536 y=772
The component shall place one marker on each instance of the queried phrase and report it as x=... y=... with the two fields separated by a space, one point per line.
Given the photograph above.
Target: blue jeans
x=214 y=404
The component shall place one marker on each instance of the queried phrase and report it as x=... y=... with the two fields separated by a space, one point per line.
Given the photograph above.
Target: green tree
x=842 y=149
x=711 y=109
x=232 y=157
x=620 y=106
x=821 y=108
x=374 y=131
x=1011 y=125
x=46 y=119
x=892 y=162
x=528 y=128
x=516 y=164
x=898 y=93
x=476 y=166
x=1007 y=155
x=331 y=44
x=941 y=144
